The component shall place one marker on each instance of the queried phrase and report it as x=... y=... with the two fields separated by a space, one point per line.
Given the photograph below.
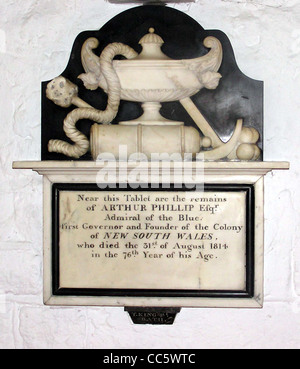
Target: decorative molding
x=216 y=168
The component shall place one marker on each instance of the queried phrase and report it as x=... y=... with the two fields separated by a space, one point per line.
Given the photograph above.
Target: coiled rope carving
x=81 y=143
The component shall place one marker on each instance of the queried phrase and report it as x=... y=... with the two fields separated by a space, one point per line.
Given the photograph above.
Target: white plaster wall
x=36 y=37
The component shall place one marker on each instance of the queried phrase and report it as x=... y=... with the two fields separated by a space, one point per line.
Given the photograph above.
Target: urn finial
x=151 y=38
x=151 y=44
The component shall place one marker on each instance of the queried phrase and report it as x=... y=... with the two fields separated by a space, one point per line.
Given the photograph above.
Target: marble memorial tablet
x=152 y=85
x=156 y=242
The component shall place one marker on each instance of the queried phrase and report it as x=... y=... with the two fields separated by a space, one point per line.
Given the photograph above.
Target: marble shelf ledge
x=91 y=167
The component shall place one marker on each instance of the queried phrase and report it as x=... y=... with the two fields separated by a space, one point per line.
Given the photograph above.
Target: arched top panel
x=236 y=97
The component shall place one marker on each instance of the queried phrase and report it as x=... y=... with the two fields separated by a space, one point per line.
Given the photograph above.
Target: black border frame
x=250 y=233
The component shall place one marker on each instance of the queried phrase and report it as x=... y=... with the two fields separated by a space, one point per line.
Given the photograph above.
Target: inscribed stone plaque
x=152 y=240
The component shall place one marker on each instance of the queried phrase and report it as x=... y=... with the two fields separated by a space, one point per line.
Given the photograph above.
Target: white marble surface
x=35 y=42
x=88 y=172
x=152 y=240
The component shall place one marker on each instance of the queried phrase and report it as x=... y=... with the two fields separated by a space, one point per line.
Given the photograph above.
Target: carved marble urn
x=151 y=77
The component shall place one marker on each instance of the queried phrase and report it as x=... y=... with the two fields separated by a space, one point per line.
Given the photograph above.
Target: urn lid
x=152 y=44
x=151 y=38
